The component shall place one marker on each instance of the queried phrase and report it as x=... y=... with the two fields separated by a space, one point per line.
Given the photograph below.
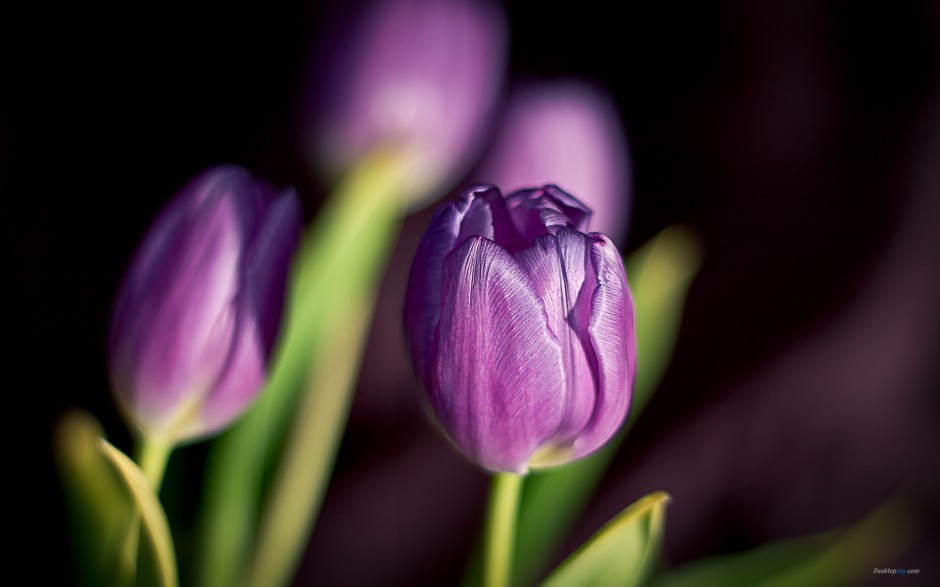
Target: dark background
x=800 y=140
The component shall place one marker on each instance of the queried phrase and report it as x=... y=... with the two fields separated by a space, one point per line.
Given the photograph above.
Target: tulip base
x=500 y=531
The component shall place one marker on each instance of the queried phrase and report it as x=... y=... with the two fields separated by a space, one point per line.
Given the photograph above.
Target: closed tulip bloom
x=199 y=309
x=520 y=328
x=418 y=78
x=567 y=133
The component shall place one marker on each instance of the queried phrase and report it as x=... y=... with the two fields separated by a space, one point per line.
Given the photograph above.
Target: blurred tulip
x=417 y=78
x=567 y=133
x=199 y=309
x=521 y=328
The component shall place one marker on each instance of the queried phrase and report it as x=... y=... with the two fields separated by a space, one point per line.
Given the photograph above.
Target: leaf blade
x=829 y=559
x=97 y=504
x=152 y=515
x=623 y=552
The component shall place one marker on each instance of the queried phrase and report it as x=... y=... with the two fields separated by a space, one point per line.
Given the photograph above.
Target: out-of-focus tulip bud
x=567 y=133
x=520 y=328
x=200 y=306
x=415 y=78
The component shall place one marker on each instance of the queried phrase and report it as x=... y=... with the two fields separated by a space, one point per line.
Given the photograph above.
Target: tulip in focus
x=416 y=78
x=567 y=133
x=198 y=311
x=520 y=328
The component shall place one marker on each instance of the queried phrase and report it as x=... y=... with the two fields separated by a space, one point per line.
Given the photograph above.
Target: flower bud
x=567 y=133
x=198 y=311
x=417 y=78
x=520 y=328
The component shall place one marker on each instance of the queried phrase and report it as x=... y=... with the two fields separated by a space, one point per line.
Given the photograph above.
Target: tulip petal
x=486 y=215
x=423 y=298
x=611 y=333
x=267 y=261
x=451 y=225
x=546 y=209
x=498 y=379
x=238 y=384
x=558 y=265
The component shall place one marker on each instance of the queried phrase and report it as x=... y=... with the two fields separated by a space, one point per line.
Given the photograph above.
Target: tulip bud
x=520 y=328
x=418 y=78
x=198 y=311
x=567 y=133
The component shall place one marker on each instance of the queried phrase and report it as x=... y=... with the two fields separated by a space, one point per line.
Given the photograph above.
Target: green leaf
x=298 y=489
x=231 y=499
x=622 y=553
x=830 y=559
x=282 y=451
x=98 y=507
x=660 y=274
x=154 y=519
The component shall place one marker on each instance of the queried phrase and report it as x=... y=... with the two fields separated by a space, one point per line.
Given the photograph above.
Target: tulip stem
x=152 y=456
x=500 y=531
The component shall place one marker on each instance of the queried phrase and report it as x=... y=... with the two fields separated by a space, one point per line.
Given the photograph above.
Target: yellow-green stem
x=500 y=532
x=152 y=456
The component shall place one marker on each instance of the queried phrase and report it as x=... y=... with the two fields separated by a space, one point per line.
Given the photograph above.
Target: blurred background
x=800 y=140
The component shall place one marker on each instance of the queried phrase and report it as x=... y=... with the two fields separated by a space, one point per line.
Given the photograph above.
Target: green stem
x=500 y=532
x=152 y=456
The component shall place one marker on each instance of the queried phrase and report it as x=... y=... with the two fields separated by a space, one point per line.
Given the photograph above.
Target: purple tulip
x=418 y=78
x=199 y=309
x=567 y=133
x=520 y=328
